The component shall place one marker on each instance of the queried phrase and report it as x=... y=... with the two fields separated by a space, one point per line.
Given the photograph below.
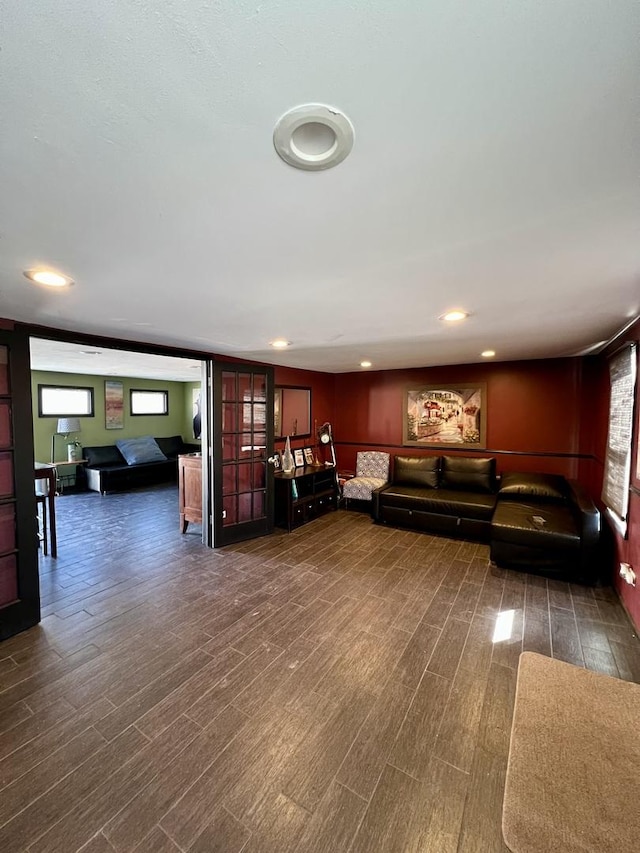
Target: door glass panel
x=229 y=445
x=258 y=505
x=259 y=475
x=229 y=506
x=8 y=579
x=244 y=477
x=4 y=370
x=229 y=419
x=260 y=444
x=6 y=475
x=244 y=507
x=7 y=528
x=246 y=446
x=228 y=386
x=229 y=479
x=5 y=424
x=259 y=387
x=260 y=415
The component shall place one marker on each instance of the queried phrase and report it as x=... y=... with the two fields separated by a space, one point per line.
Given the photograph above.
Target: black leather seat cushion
x=513 y=522
x=442 y=501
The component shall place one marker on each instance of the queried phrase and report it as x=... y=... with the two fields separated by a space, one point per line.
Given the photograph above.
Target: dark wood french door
x=242 y=441
x=19 y=586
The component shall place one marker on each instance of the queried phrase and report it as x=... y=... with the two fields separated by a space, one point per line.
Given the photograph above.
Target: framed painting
x=453 y=416
x=113 y=404
x=277 y=412
x=298 y=456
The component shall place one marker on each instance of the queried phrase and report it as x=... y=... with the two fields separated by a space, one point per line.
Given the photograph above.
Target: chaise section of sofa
x=545 y=521
x=108 y=471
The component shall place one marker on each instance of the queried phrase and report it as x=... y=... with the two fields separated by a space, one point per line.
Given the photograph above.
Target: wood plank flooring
x=336 y=689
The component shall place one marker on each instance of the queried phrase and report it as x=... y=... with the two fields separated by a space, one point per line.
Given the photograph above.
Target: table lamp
x=65 y=427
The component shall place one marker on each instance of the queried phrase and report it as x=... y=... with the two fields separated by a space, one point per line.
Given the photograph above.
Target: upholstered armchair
x=372 y=471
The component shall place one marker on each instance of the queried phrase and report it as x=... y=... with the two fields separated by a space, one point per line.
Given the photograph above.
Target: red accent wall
x=533 y=410
x=322 y=398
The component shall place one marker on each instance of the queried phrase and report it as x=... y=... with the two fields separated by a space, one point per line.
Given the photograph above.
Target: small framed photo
x=298 y=457
x=308 y=455
x=277 y=461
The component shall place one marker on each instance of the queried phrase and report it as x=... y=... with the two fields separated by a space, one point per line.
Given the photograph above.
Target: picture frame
x=113 y=404
x=445 y=416
x=277 y=461
x=298 y=457
x=308 y=455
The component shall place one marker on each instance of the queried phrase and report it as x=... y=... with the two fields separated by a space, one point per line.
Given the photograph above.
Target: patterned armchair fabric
x=372 y=471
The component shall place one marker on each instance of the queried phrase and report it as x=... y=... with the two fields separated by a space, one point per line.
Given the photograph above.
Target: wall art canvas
x=113 y=404
x=445 y=416
x=197 y=417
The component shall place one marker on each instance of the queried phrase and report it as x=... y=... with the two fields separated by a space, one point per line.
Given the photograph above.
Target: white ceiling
x=63 y=357
x=495 y=168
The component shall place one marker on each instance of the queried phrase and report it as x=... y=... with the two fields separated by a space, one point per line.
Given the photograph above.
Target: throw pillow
x=139 y=450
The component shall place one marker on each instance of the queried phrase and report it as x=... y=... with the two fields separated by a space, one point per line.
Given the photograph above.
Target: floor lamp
x=65 y=427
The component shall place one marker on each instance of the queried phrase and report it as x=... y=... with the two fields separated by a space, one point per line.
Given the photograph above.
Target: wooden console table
x=304 y=494
x=190 y=489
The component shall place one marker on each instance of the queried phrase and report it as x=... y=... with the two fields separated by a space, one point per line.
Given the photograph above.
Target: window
x=64 y=401
x=617 y=466
x=149 y=402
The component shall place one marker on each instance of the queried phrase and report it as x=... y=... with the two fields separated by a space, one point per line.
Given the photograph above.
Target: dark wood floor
x=336 y=689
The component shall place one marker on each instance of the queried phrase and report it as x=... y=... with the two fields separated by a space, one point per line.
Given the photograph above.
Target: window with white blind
x=617 y=467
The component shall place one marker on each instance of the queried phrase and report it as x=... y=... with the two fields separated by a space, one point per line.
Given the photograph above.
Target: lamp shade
x=68 y=425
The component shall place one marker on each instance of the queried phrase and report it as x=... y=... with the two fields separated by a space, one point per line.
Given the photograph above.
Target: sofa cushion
x=141 y=449
x=449 y=502
x=541 y=487
x=416 y=471
x=102 y=456
x=172 y=446
x=468 y=474
x=549 y=526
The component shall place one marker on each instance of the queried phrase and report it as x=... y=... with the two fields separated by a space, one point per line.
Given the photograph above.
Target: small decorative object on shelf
x=287 y=457
x=298 y=456
x=294 y=490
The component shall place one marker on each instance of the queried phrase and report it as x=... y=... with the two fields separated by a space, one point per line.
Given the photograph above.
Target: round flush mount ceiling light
x=488 y=353
x=280 y=343
x=50 y=278
x=365 y=364
x=454 y=316
x=313 y=137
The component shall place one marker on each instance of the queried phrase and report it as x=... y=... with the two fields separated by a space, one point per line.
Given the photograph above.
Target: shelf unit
x=304 y=494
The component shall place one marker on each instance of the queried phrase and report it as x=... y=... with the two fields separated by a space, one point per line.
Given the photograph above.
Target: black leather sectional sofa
x=531 y=521
x=107 y=470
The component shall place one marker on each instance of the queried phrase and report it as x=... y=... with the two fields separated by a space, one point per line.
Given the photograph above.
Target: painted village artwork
x=444 y=416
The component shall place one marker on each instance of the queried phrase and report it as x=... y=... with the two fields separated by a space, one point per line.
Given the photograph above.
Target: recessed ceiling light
x=89 y=352
x=50 y=278
x=454 y=316
x=365 y=364
x=488 y=353
x=280 y=343
x=313 y=137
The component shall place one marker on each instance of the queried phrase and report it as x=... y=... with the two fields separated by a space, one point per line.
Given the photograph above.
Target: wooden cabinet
x=304 y=494
x=190 y=489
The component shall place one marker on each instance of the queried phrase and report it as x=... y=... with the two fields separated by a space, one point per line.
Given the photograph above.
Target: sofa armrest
x=588 y=517
x=375 y=501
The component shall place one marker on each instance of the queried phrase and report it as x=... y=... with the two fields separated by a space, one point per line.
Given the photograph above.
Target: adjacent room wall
x=93 y=429
x=187 y=424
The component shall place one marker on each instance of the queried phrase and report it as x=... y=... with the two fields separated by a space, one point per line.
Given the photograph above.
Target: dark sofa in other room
x=107 y=469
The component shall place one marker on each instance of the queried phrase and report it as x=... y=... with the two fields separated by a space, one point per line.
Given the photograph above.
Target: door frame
x=25 y=612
